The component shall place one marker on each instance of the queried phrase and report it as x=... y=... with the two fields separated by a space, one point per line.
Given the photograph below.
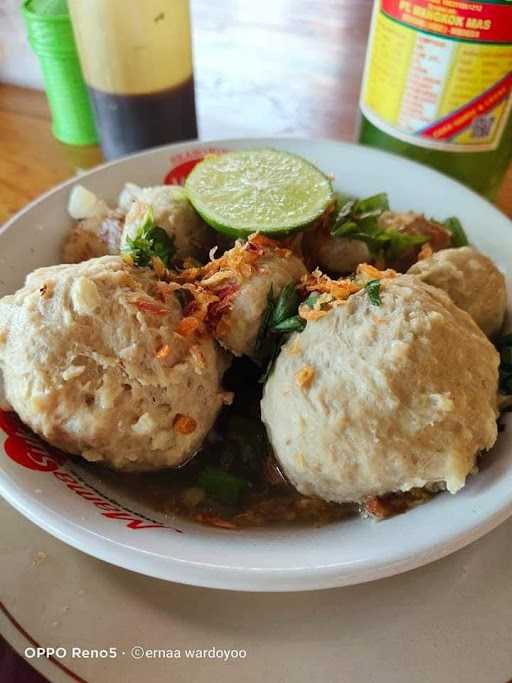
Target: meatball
x=273 y=269
x=98 y=230
x=172 y=212
x=375 y=399
x=93 y=361
x=471 y=280
x=340 y=255
x=334 y=254
x=411 y=223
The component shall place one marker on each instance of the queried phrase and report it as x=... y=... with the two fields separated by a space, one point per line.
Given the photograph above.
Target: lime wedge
x=263 y=190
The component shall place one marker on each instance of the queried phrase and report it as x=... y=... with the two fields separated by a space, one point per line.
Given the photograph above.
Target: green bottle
x=437 y=86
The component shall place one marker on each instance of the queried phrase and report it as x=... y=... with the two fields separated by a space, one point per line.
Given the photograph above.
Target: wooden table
x=271 y=67
x=262 y=68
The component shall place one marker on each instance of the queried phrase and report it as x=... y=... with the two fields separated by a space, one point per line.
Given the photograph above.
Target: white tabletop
x=447 y=622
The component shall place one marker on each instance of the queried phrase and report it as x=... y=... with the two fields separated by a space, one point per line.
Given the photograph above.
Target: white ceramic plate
x=74 y=506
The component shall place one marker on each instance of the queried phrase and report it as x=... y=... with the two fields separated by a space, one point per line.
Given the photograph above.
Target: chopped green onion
x=286 y=305
x=261 y=347
x=271 y=359
x=373 y=289
x=377 y=202
x=344 y=229
x=459 y=237
x=280 y=318
x=149 y=242
x=293 y=324
x=398 y=242
x=223 y=486
x=359 y=220
x=312 y=299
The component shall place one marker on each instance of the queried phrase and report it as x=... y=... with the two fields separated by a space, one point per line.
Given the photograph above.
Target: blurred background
x=272 y=67
x=291 y=66
x=18 y=64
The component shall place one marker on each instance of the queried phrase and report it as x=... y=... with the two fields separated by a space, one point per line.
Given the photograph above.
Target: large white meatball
x=471 y=280
x=172 y=211
x=374 y=399
x=93 y=361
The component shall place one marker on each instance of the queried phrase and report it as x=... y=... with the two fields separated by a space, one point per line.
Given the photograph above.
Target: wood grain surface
x=265 y=67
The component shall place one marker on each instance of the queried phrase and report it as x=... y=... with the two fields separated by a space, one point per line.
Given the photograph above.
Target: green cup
x=51 y=38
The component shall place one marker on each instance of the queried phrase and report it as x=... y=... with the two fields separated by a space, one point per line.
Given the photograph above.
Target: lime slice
x=263 y=190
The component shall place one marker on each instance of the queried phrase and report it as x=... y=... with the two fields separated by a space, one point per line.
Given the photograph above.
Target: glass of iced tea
x=137 y=63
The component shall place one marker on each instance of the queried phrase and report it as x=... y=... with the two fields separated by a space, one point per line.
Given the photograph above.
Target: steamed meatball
x=238 y=327
x=335 y=254
x=97 y=231
x=471 y=280
x=412 y=223
x=172 y=212
x=93 y=361
x=339 y=255
x=375 y=399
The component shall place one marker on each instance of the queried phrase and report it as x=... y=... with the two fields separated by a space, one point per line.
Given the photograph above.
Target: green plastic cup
x=51 y=37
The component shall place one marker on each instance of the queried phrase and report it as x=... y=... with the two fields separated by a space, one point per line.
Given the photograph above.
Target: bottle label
x=438 y=73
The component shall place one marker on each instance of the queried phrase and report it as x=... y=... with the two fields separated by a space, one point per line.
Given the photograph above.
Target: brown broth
x=176 y=494
x=238 y=445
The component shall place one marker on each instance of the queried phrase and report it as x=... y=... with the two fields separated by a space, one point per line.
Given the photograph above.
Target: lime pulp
x=264 y=190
